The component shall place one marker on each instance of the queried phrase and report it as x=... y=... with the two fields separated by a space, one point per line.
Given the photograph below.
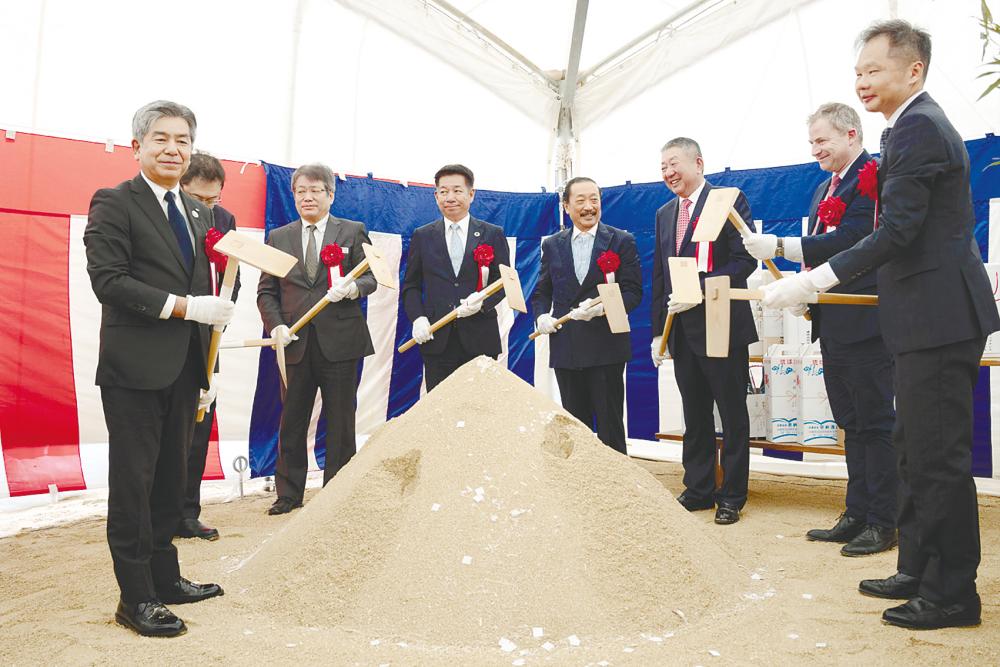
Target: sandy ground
x=57 y=598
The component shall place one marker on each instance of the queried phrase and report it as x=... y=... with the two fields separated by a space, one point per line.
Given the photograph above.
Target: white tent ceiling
x=399 y=87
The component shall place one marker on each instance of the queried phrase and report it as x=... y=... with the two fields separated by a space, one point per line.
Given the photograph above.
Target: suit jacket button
x=456 y=284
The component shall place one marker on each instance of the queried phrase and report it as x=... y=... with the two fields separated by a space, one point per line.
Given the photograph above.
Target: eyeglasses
x=207 y=201
x=315 y=192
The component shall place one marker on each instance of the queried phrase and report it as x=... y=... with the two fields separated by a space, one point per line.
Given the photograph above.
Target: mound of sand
x=485 y=512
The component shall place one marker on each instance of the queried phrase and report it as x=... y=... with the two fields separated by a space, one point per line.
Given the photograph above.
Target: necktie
x=455 y=246
x=883 y=141
x=312 y=261
x=177 y=223
x=834 y=184
x=683 y=221
x=583 y=246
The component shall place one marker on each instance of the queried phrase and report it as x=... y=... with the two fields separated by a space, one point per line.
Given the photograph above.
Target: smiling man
x=704 y=380
x=145 y=243
x=588 y=359
x=857 y=367
x=449 y=261
x=936 y=309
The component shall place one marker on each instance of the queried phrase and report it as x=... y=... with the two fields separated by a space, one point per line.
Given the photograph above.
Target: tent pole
x=567 y=91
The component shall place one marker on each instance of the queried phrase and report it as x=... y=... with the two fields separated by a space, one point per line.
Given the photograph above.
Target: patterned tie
x=180 y=230
x=583 y=246
x=883 y=141
x=312 y=261
x=683 y=221
x=834 y=184
x=455 y=246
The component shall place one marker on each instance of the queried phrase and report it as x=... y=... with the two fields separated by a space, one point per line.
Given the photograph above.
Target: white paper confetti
x=792 y=635
x=375 y=642
x=755 y=576
x=537 y=633
x=654 y=638
x=548 y=646
x=714 y=653
x=248 y=632
x=435 y=507
x=493 y=518
x=628 y=649
x=460 y=424
x=466 y=560
x=521 y=429
x=573 y=640
x=519 y=661
x=807 y=596
x=680 y=614
x=780 y=537
x=506 y=645
x=820 y=644
x=517 y=513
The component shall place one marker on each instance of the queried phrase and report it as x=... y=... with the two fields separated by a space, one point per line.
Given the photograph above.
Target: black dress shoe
x=846 y=529
x=183 y=591
x=150 y=619
x=921 y=614
x=872 y=540
x=693 y=504
x=897 y=587
x=283 y=505
x=727 y=514
x=195 y=528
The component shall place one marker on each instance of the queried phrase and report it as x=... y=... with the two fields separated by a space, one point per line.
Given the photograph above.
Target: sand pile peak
x=483 y=512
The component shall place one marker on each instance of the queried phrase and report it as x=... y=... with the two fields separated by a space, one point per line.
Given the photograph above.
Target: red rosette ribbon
x=332 y=256
x=217 y=259
x=830 y=211
x=608 y=262
x=868 y=180
x=483 y=254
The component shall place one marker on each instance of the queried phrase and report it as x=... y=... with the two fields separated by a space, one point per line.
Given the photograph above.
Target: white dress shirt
x=320 y=232
x=160 y=193
x=463 y=230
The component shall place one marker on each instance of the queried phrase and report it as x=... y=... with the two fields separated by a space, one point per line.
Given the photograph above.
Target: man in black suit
x=325 y=353
x=857 y=367
x=203 y=181
x=704 y=380
x=443 y=273
x=936 y=310
x=588 y=359
x=146 y=260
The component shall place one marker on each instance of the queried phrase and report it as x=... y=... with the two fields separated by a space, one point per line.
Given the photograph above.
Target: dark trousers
x=149 y=433
x=337 y=382
x=703 y=381
x=938 y=513
x=858 y=379
x=596 y=394
x=197 y=455
x=437 y=367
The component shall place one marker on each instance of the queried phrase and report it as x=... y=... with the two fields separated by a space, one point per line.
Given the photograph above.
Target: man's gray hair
x=316 y=172
x=841 y=116
x=144 y=118
x=905 y=40
x=688 y=145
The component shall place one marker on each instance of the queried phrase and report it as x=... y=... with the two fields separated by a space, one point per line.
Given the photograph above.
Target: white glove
x=678 y=307
x=282 y=335
x=470 y=305
x=546 y=324
x=343 y=288
x=422 y=330
x=791 y=291
x=761 y=246
x=654 y=350
x=209 y=310
x=207 y=396
x=798 y=311
x=585 y=312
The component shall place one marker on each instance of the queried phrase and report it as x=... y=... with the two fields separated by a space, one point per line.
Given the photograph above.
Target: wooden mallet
x=718 y=295
x=685 y=289
x=374 y=261
x=720 y=206
x=610 y=294
x=508 y=282
x=240 y=248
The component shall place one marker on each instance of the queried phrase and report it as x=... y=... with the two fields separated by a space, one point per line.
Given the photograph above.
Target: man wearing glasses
x=325 y=353
x=204 y=181
x=449 y=262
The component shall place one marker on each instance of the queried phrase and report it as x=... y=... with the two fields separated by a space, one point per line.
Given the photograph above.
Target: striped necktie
x=883 y=141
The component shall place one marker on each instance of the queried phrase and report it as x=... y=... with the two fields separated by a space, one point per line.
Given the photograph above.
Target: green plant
x=989 y=35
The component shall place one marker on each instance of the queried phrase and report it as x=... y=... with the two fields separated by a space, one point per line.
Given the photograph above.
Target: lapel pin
x=475 y=233
x=194 y=212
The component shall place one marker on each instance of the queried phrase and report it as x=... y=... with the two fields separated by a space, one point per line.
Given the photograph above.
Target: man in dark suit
x=704 y=380
x=442 y=274
x=326 y=352
x=588 y=359
x=203 y=181
x=936 y=310
x=857 y=367
x=146 y=260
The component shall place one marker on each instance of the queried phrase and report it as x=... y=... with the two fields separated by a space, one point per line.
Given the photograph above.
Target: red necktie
x=834 y=183
x=683 y=222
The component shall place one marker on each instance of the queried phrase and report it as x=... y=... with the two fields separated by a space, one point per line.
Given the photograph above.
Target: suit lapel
x=670 y=228
x=148 y=204
x=473 y=238
x=602 y=239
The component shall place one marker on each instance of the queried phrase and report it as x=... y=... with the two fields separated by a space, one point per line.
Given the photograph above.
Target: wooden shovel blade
x=512 y=289
x=380 y=267
x=684 y=283
x=714 y=213
x=253 y=252
x=717 y=316
x=614 y=307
